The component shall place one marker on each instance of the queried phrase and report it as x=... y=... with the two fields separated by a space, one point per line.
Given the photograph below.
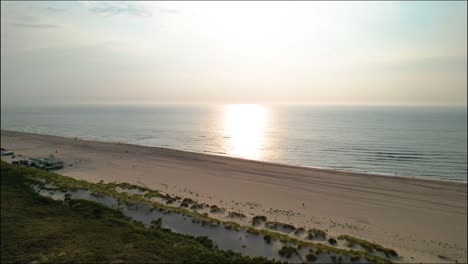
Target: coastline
x=431 y=213
x=223 y=155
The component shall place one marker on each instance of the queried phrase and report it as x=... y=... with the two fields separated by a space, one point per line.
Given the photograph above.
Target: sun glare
x=244 y=127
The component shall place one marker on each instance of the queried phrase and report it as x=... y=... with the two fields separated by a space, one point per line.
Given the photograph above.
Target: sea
x=424 y=142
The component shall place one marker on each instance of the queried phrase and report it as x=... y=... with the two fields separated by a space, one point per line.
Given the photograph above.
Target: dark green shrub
x=287 y=251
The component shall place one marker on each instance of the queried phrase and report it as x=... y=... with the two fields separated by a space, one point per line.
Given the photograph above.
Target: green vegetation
x=311 y=257
x=64 y=184
x=258 y=220
x=332 y=241
x=150 y=194
x=369 y=246
x=236 y=215
x=156 y=223
x=299 y=231
x=288 y=251
x=196 y=207
x=275 y=225
x=129 y=186
x=216 y=210
x=39 y=229
x=188 y=201
x=316 y=234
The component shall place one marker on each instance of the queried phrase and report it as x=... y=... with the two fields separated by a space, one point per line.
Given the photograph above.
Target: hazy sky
x=234 y=52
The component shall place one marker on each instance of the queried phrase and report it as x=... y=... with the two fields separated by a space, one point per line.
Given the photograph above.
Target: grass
x=369 y=246
x=236 y=215
x=39 y=229
x=64 y=184
x=275 y=225
x=151 y=194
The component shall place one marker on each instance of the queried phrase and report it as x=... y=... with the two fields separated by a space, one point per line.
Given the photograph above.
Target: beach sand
x=420 y=219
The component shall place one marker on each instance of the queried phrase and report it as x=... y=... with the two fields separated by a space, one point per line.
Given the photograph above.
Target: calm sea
x=404 y=141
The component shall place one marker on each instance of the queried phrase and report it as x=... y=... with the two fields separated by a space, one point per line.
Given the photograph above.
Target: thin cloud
x=169 y=11
x=120 y=8
x=56 y=9
x=427 y=64
x=35 y=25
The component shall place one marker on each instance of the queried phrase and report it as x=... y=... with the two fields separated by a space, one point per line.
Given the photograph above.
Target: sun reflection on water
x=244 y=128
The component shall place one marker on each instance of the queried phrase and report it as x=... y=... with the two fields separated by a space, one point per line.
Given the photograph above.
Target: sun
x=244 y=128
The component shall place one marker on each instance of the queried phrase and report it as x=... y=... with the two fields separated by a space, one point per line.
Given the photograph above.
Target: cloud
x=107 y=8
x=56 y=9
x=34 y=25
x=169 y=11
x=452 y=64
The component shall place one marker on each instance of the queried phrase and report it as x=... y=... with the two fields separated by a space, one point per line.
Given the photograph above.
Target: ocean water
x=428 y=142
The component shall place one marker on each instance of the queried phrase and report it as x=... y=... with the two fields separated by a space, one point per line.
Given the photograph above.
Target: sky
x=352 y=53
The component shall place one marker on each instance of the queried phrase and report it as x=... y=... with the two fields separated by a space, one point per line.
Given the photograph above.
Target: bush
x=188 y=201
x=311 y=257
x=156 y=223
x=216 y=210
x=236 y=215
x=332 y=241
x=205 y=241
x=316 y=234
x=299 y=231
x=259 y=219
x=196 y=207
x=287 y=251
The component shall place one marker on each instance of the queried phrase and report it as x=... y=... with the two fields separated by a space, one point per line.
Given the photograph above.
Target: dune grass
x=63 y=183
x=39 y=229
x=369 y=246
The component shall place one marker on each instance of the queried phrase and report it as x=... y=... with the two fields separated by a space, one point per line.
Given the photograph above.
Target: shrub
x=368 y=246
x=170 y=200
x=156 y=223
x=259 y=219
x=196 y=207
x=236 y=215
x=332 y=241
x=299 y=231
x=287 y=251
x=205 y=241
x=311 y=257
x=276 y=225
x=216 y=210
x=188 y=201
x=316 y=234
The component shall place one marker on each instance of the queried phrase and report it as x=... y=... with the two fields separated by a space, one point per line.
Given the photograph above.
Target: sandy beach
x=422 y=220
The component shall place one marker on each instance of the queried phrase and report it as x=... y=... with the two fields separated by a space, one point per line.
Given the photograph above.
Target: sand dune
x=421 y=219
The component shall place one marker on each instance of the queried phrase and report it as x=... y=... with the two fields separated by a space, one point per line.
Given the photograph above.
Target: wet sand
x=421 y=219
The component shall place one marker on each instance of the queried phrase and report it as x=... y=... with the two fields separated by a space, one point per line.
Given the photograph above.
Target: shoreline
x=212 y=154
x=420 y=218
